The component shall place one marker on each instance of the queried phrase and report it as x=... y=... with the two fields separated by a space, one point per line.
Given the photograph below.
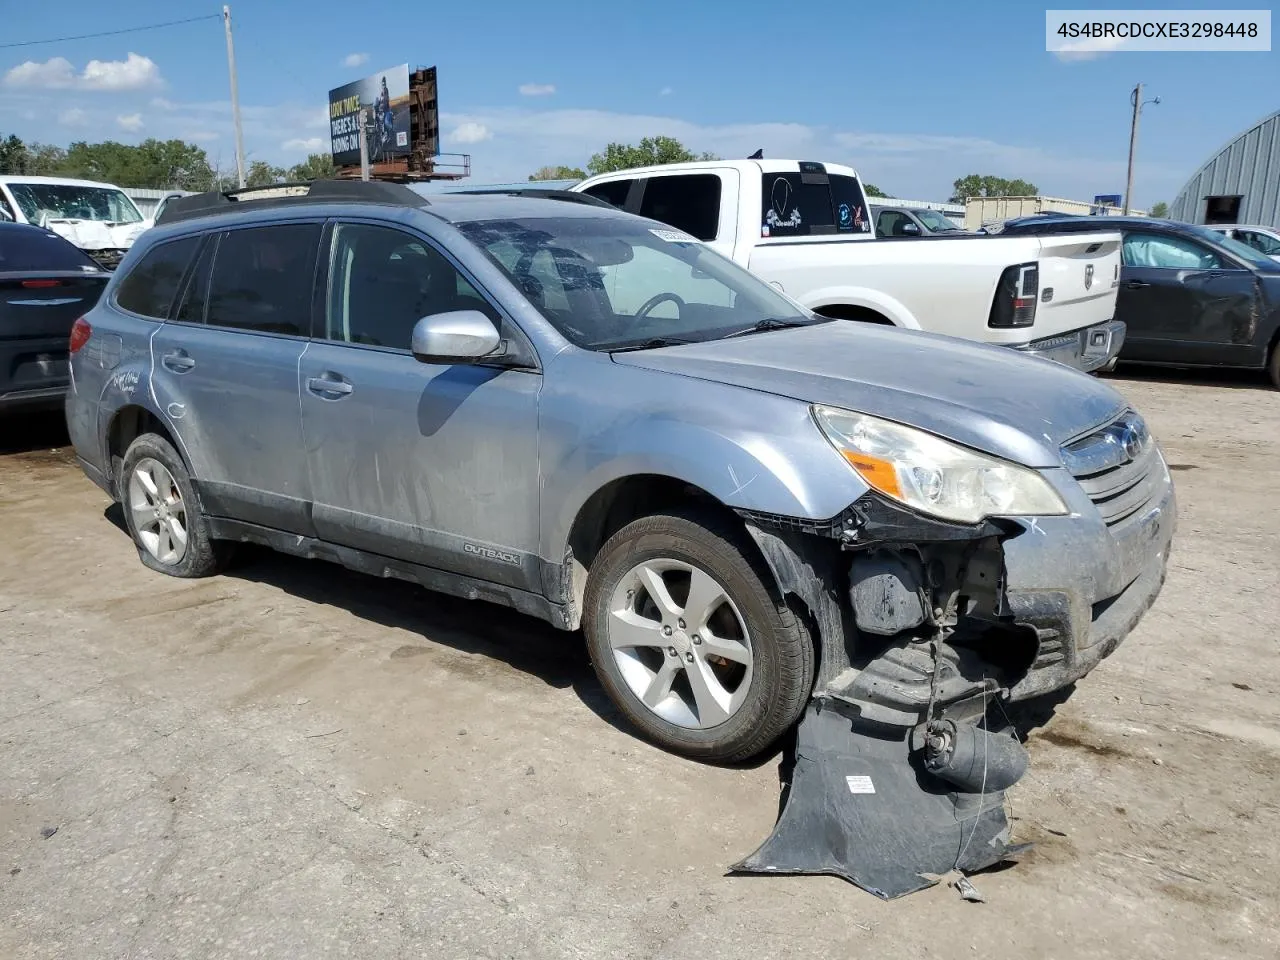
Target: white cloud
x=73 y=117
x=54 y=74
x=309 y=144
x=1088 y=48
x=665 y=92
x=132 y=122
x=136 y=72
x=200 y=136
x=537 y=89
x=160 y=103
x=471 y=132
x=916 y=166
x=355 y=59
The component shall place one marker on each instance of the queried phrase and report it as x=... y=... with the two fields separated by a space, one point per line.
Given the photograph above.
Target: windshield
x=1264 y=242
x=1241 y=250
x=611 y=283
x=60 y=201
x=934 y=220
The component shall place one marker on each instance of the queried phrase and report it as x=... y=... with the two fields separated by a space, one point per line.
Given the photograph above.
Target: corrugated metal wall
x=1249 y=167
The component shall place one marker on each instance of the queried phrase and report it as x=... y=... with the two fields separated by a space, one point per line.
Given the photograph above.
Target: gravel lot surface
x=295 y=761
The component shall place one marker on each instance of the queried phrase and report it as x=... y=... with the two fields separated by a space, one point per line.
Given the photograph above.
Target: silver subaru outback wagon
x=597 y=420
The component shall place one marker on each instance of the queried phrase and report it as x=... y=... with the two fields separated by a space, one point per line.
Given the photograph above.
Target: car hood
x=990 y=398
x=95 y=234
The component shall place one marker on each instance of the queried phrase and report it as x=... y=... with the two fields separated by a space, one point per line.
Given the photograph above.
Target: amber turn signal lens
x=879 y=473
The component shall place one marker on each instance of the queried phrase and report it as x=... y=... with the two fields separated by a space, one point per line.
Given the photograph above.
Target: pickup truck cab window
x=689 y=202
x=612 y=191
x=802 y=205
x=608 y=284
x=382 y=281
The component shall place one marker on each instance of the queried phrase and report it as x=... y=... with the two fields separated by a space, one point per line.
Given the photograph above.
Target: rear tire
x=1273 y=366
x=163 y=514
x=742 y=667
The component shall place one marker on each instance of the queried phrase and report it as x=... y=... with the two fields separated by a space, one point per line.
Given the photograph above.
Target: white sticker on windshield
x=673 y=236
x=860 y=785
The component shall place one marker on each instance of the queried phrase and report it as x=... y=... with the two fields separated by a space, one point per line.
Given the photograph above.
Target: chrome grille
x=1118 y=466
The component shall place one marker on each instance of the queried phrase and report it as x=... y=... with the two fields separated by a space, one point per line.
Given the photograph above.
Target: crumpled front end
x=928 y=629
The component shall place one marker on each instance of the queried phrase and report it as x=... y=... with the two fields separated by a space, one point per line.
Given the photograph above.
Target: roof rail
x=567 y=195
x=314 y=191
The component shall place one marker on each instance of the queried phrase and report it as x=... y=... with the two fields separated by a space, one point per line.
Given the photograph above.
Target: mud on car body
x=595 y=419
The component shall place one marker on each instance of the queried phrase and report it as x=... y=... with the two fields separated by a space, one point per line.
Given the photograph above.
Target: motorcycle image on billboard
x=376 y=108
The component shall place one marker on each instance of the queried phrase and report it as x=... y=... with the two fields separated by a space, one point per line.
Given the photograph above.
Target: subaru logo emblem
x=1088 y=276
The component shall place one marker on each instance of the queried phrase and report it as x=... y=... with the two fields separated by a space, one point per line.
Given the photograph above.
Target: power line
x=111 y=33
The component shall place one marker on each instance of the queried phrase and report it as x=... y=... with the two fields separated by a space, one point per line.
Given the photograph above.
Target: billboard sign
x=376 y=108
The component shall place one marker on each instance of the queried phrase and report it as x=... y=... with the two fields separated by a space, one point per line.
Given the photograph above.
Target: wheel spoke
x=658 y=592
x=628 y=629
x=711 y=699
x=148 y=483
x=177 y=533
x=713 y=646
x=660 y=686
x=165 y=544
x=705 y=596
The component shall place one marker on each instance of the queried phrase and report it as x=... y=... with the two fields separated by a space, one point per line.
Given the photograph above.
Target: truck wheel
x=163 y=514
x=692 y=646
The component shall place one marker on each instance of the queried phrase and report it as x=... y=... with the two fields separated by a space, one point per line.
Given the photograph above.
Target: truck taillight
x=80 y=334
x=1016 y=297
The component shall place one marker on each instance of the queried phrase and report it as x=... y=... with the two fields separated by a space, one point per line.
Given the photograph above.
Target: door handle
x=1136 y=284
x=329 y=385
x=178 y=361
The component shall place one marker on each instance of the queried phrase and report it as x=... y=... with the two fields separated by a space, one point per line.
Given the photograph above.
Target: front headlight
x=935 y=476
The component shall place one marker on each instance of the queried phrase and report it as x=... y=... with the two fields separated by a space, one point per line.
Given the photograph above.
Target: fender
x=785 y=476
x=876 y=300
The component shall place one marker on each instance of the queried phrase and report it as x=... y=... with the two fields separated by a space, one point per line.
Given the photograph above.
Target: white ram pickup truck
x=805 y=228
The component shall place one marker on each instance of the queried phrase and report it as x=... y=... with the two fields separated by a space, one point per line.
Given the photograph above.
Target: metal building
x=1239 y=184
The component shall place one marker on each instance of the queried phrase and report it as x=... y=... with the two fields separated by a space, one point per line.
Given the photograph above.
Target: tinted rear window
x=690 y=202
x=614 y=192
x=37 y=250
x=149 y=288
x=811 y=203
x=262 y=279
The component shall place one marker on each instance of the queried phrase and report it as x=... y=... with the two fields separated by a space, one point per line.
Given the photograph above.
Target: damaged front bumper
x=926 y=628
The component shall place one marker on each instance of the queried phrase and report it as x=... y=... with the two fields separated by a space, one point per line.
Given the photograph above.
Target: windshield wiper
x=651 y=344
x=768 y=323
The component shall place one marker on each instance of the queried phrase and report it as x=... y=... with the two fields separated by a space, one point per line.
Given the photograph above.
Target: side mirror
x=909 y=229
x=461 y=336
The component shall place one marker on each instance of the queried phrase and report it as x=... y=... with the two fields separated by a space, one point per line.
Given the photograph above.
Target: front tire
x=1273 y=367
x=163 y=514
x=691 y=643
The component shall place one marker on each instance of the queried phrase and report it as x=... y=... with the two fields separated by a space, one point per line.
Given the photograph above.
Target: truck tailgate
x=1079 y=281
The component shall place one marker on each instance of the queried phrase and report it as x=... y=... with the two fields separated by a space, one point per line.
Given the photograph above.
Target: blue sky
x=913 y=94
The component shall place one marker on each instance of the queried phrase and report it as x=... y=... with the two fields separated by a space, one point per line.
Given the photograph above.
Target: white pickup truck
x=805 y=227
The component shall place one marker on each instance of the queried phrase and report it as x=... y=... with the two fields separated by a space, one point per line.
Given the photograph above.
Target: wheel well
x=844 y=311
x=127 y=425
x=615 y=505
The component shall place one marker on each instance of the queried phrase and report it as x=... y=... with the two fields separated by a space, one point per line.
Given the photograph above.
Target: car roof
x=746 y=166
x=1243 y=226
x=55 y=181
x=469 y=207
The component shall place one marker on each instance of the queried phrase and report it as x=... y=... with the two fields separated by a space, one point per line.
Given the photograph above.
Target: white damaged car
x=99 y=218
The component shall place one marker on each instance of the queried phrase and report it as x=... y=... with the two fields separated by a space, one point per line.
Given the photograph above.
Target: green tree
x=317 y=166
x=560 y=172
x=649 y=152
x=1160 y=209
x=871 y=190
x=45 y=160
x=13 y=155
x=985 y=185
x=263 y=174
x=159 y=164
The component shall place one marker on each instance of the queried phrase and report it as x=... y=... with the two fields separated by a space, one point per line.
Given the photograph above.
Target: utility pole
x=235 y=96
x=364 y=146
x=1138 y=104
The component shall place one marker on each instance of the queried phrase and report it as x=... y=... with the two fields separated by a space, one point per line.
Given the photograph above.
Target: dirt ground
x=296 y=761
